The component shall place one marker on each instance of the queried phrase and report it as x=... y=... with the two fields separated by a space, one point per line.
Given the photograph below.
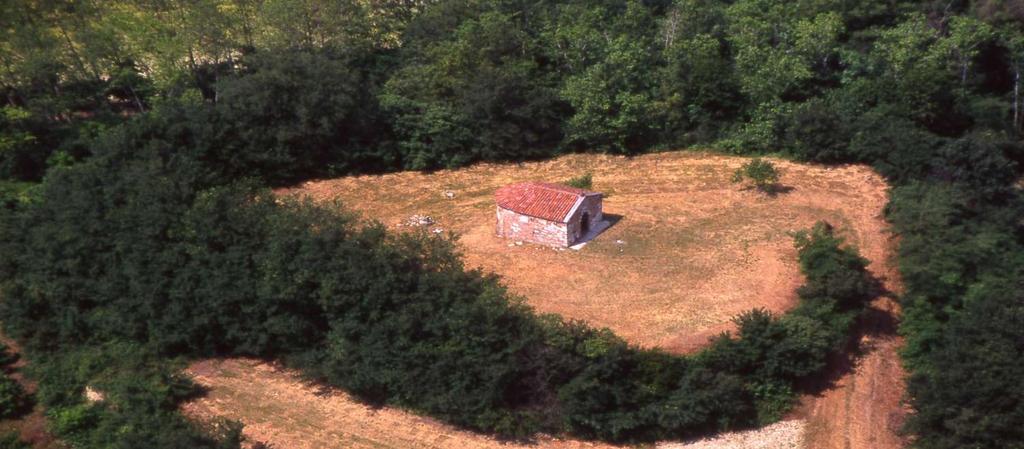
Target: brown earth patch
x=864 y=407
x=688 y=251
x=278 y=408
x=281 y=410
x=696 y=251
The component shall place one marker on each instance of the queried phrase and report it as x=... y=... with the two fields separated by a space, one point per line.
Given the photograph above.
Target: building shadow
x=607 y=222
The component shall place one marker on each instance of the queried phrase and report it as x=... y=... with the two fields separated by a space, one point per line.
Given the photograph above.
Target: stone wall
x=524 y=228
x=591 y=206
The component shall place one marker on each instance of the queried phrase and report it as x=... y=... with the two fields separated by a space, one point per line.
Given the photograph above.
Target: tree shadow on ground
x=875 y=325
x=771 y=190
x=777 y=189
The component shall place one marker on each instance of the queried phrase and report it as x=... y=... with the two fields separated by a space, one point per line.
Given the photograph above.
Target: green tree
x=697 y=91
x=760 y=172
x=481 y=92
x=779 y=49
x=611 y=87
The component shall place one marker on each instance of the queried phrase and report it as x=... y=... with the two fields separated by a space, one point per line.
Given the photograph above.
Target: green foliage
x=775 y=354
x=977 y=367
x=190 y=264
x=7 y=357
x=773 y=401
x=584 y=181
x=13 y=441
x=816 y=132
x=13 y=400
x=780 y=47
x=697 y=92
x=143 y=117
x=480 y=92
x=612 y=95
x=760 y=172
x=281 y=121
x=140 y=401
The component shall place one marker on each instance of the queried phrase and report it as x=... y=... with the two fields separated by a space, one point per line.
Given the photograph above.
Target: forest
x=139 y=139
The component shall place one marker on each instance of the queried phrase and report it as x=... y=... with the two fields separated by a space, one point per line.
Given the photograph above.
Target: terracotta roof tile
x=548 y=201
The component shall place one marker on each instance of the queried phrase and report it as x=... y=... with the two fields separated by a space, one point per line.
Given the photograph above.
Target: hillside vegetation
x=136 y=139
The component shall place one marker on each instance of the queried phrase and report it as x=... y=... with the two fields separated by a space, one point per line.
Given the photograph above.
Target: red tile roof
x=551 y=202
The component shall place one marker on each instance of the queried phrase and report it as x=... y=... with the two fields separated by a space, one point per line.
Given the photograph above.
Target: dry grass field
x=279 y=409
x=688 y=251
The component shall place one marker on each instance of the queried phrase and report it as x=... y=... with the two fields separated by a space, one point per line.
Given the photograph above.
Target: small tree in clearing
x=760 y=172
x=584 y=181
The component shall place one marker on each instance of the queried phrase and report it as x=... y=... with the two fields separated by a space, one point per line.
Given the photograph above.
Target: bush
x=13 y=441
x=7 y=357
x=760 y=172
x=774 y=400
x=13 y=400
x=833 y=273
x=141 y=394
x=584 y=181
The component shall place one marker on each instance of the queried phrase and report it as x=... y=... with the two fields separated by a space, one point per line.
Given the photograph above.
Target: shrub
x=13 y=400
x=13 y=441
x=833 y=272
x=7 y=357
x=584 y=181
x=760 y=172
x=774 y=400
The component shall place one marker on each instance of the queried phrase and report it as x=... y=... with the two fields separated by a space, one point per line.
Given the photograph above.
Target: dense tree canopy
x=135 y=137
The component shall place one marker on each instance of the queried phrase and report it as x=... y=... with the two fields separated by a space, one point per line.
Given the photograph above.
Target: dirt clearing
x=688 y=249
x=280 y=409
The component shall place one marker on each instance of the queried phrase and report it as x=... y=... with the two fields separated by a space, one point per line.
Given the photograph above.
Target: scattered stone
x=449 y=194
x=93 y=395
x=418 y=220
x=620 y=242
x=437 y=230
x=519 y=243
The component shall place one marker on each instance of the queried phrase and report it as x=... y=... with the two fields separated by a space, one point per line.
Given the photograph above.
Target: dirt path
x=278 y=408
x=863 y=409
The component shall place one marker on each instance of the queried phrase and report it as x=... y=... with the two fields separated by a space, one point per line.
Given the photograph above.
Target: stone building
x=547 y=214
